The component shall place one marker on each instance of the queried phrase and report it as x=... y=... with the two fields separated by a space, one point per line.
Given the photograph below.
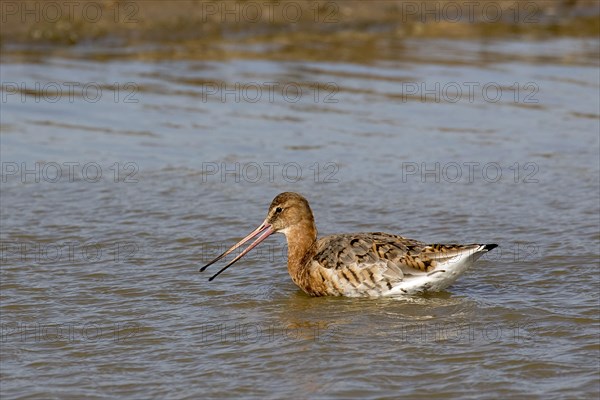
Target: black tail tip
x=491 y=246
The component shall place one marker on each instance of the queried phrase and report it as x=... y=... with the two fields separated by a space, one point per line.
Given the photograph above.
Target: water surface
x=171 y=162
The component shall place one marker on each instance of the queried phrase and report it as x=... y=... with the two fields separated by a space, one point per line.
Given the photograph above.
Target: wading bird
x=357 y=264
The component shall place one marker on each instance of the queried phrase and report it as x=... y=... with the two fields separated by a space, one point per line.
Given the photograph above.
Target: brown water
x=100 y=291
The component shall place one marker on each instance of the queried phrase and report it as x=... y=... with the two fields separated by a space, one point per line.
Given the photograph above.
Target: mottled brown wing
x=374 y=263
x=362 y=262
x=377 y=260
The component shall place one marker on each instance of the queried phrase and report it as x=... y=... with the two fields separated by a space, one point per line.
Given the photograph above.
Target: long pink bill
x=264 y=230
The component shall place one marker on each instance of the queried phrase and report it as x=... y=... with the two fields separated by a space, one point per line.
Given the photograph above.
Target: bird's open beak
x=263 y=231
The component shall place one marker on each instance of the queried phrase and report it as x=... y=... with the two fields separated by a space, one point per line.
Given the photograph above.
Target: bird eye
x=278 y=210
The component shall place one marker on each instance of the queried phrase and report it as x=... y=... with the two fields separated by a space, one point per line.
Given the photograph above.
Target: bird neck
x=300 y=239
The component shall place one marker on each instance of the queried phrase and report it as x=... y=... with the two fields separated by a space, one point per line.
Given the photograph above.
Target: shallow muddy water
x=122 y=176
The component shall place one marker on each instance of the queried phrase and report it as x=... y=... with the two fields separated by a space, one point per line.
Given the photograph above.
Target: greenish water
x=121 y=177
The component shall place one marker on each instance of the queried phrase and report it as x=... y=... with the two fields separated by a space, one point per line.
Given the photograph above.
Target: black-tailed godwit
x=357 y=264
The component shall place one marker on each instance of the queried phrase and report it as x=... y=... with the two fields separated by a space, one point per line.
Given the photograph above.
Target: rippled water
x=100 y=291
